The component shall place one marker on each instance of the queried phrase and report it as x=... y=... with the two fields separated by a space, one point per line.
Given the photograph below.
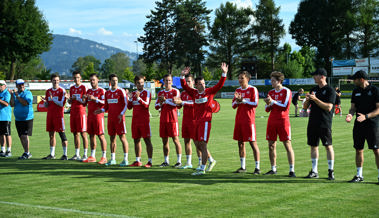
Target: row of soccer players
x=197 y=116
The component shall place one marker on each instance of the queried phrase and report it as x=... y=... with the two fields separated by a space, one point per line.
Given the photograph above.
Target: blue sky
x=119 y=23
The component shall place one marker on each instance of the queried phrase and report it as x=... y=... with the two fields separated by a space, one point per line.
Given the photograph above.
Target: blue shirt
x=21 y=112
x=5 y=111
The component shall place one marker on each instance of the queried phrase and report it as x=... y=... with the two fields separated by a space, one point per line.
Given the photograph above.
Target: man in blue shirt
x=5 y=120
x=22 y=101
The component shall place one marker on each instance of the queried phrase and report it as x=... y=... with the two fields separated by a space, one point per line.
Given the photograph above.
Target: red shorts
x=202 y=131
x=168 y=129
x=115 y=127
x=95 y=125
x=78 y=122
x=55 y=124
x=141 y=130
x=244 y=132
x=282 y=129
x=188 y=130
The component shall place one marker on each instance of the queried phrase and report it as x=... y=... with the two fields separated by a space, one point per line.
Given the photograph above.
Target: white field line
x=64 y=209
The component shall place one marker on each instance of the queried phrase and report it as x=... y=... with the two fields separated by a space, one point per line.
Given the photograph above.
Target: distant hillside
x=65 y=50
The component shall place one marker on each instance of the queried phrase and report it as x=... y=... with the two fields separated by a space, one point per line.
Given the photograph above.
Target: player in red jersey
x=95 y=99
x=246 y=100
x=168 y=125
x=203 y=99
x=78 y=118
x=140 y=102
x=188 y=122
x=278 y=103
x=54 y=101
x=116 y=105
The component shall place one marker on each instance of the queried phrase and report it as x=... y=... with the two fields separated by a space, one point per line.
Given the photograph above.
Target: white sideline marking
x=64 y=209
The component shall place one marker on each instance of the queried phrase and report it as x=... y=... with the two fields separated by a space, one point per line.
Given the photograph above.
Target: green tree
x=368 y=27
x=90 y=69
x=227 y=36
x=206 y=74
x=268 y=29
x=24 y=33
x=116 y=64
x=44 y=75
x=82 y=63
x=128 y=74
x=309 y=60
x=139 y=67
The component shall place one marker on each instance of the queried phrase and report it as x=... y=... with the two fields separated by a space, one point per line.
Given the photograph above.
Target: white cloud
x=243 y=3
x=103 y=31
x=127 y=34
x=74 y=31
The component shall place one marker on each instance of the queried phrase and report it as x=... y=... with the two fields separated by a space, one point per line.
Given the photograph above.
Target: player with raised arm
x=203 y=99
x=78 y=118
x=140 y=102
x=168 y=125
x=278 y=104
x=246 y=101
x=95 y=99
x=116 y=105
x=55 y=99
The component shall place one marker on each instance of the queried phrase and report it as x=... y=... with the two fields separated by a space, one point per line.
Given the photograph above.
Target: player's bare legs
x=257 y=156
x=113 y=143
x=52 y=139
x=178 y=148
x=290 y=155
x=166 y=148
x=137 y=147
x=149 y=147
x=272 y=154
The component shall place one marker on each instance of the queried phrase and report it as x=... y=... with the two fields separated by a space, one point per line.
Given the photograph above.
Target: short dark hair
x=246 y=74
x=76 y=72
x=190 y=76
x=199 y=78
x=167 y=75
x=137 y=78
x=112 y=75
x=53 y=76
x=94 y=74
x=279 y=76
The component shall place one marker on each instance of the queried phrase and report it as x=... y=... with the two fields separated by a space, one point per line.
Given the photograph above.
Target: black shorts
x=5 y=128
x=314 y=134
x=365 y=131
x=24 y=127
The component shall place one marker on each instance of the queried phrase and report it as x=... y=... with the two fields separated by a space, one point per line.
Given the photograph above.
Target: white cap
x=2 y=82
x=20 y=81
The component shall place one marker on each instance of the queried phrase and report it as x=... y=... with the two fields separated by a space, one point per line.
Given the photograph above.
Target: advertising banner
x=342 y=71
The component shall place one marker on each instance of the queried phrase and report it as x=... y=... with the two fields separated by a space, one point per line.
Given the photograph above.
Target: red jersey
x=169 y=108
x=203 y=100
x=78 y=105
x=99 y=103
x=246 y=109
x=188 y=110
x=115 y=102
x=280 y=105
x=140 y=107
x=56 y=101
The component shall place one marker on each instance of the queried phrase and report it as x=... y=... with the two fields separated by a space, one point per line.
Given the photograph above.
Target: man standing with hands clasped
x=321 y=98
x=365 y=104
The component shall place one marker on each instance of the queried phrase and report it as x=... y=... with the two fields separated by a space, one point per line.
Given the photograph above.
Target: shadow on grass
x=133 y=174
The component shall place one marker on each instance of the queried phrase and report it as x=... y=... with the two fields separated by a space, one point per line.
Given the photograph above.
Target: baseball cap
x=2 y=82
x=320 y=71
x=20 y=81
x=359 y=74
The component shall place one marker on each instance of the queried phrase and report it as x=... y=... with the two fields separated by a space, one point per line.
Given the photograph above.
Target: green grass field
x=41 y=188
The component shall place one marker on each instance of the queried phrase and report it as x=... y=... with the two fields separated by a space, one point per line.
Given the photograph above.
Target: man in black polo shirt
x=321 y=98
x=365 y=104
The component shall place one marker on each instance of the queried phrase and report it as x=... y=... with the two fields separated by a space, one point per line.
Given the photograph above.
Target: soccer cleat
x=178 y=165
x=90 y=159
x=198 y=173
x=148 y=165
x=64 y=157
x=271 y=172
x=8 y=154
x=257 y=171
x=186 y=167
x=25 y=156
x=2 y=154
x=49 y=157
x=356 y=179
x=330 y=174
x=164 y=164
x=124 y=163
x=211 y=165
x=311 y=175
x=75 y=157
x=198 y=167
x=292 y=174
x=111 y=162
x=84 y=158
x=136 y=164
x=103 y=160
x=240 y=170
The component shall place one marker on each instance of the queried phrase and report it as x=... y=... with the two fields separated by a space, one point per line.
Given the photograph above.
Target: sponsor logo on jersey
x=77 y=96
x=369 y=93
x=112 y=101
x=324 y=92
x=357 y=94
x=201 y=100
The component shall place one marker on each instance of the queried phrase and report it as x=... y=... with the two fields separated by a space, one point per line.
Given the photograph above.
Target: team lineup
x=88 y=108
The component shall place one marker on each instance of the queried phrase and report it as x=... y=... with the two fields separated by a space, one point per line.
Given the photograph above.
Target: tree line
x=180 y=33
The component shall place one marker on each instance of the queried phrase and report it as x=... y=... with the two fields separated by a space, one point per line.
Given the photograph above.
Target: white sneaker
x=198 y=173
x=211 y=165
